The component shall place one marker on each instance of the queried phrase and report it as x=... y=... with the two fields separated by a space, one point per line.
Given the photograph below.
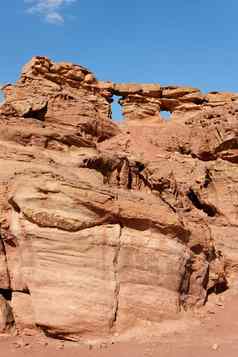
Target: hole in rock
x=116 y=109
x=219 y=288
x=197 y=248
x=6 y=293
x=166 y=115
x=37 y=114
x=1 y=97
x=208 y=209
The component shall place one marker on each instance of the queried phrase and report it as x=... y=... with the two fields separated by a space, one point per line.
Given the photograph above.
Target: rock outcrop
x=107 y=227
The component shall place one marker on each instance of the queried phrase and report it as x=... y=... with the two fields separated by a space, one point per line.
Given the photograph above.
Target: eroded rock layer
x=106 y=227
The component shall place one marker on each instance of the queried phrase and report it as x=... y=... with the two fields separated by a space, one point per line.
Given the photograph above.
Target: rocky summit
x=111 y=227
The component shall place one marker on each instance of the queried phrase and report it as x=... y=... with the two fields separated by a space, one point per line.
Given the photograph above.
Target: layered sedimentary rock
x=105 y=226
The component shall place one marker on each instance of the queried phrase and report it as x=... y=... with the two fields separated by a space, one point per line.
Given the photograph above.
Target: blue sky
x=183 y=42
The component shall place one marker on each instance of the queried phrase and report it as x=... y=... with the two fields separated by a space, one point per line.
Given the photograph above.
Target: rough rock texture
x=108 y=227
x=6 y=316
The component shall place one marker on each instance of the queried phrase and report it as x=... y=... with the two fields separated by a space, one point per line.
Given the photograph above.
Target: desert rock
x=105 y=226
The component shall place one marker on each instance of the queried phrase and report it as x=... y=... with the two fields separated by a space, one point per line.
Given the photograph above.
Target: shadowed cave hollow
x=6 y=293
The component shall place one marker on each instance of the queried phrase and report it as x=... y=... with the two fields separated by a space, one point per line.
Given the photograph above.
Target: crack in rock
x=117 y=281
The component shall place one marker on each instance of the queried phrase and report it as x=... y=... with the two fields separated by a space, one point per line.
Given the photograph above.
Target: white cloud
x=51 y=10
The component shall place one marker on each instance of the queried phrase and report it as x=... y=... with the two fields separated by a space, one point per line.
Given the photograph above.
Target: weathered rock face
x=65 y=95
x=6 y=316
x=107 y=227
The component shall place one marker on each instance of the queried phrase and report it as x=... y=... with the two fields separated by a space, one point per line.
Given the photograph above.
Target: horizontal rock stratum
x=109 y=227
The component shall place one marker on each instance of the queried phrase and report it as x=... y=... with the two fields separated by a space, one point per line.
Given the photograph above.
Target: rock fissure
x=185 y=283
x=6 y=285
x=206 y=208
x=117 y=282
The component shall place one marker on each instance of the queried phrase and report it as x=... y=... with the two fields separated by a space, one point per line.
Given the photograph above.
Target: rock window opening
x=1 y=97
x=116 y=109
x=166 y=115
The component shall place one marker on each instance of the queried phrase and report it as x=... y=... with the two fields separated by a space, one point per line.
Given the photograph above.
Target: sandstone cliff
x=108 y=227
